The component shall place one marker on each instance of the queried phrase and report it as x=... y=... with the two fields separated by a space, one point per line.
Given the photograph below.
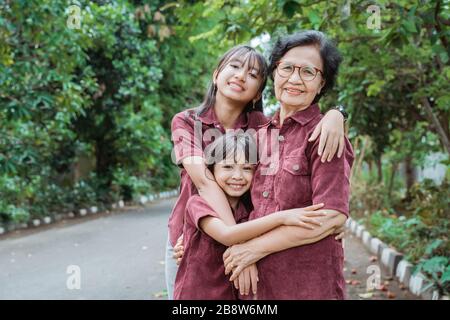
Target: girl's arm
x=231 y=234
x=208 y=188
x=286 y=237
x=279 y=239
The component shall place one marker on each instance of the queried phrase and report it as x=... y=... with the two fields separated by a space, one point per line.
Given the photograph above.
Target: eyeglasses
x=306 y=73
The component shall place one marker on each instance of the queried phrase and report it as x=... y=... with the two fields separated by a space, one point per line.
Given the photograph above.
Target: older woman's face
x=293 y=91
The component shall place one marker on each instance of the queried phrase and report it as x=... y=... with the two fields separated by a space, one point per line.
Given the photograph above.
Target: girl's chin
x=235 y=193
x=236 y=96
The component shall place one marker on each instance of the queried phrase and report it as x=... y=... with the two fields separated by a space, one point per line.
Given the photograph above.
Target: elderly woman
x=295 y=263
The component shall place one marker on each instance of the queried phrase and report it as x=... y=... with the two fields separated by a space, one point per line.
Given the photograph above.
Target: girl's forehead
x=236 y=157
x=246 y=58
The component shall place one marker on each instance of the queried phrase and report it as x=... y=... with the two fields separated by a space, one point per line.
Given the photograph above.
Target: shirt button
x=272 y=165
x=280 y=138
x=295 y=167
x=265 y=194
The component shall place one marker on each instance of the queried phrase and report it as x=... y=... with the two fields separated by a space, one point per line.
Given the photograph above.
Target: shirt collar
x=301 y=116
x=209 y=117
x=240 y=212
x=306 y=115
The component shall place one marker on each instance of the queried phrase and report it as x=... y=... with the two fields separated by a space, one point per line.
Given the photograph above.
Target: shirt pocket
x=294 y=186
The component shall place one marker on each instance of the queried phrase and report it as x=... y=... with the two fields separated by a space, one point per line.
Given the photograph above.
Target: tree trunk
x=435 y=121
x=392 y=178
x=379 y=169
x=410 y=173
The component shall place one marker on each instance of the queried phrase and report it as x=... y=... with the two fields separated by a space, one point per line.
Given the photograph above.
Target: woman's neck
x=226 y=111
x=288 y=110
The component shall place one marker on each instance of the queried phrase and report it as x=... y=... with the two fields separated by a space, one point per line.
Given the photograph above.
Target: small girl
x=201 y=274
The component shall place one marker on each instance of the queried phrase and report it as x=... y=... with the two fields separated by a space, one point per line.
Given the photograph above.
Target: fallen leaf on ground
x=373 y=258
x=383 y=288
x=366 y=295
x=354 y=271
x=160 y=294
x=390 y=295
x=355 y=282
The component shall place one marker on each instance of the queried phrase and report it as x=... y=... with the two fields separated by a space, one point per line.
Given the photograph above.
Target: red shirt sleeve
x=186 y=143
x=197 y=208
x=330 y=181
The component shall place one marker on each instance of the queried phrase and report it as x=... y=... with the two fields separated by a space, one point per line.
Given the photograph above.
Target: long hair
x=254 y=57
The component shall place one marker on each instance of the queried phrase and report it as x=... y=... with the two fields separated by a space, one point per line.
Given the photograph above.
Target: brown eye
x=287 y=67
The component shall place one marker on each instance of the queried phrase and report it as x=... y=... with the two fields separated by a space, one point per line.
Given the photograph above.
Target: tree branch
x=440 y=130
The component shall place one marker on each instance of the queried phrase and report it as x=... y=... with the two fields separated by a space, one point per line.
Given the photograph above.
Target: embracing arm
x=188 y=152
x=281 y=238
x=208 y=188
x=285 y=237
x=332 y=133
x=231 y=234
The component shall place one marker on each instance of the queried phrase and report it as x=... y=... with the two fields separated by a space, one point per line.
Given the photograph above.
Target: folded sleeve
x=197 y=208
x=186 y=137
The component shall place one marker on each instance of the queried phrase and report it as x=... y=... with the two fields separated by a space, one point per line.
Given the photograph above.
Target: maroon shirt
x=201 y=274
x=293 y=178
x=190 y=136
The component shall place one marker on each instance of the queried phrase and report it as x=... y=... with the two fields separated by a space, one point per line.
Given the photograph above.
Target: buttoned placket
x=268 y=192
x=284 y=131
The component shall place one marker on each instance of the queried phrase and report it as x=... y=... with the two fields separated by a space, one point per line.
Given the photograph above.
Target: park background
x=88 y=90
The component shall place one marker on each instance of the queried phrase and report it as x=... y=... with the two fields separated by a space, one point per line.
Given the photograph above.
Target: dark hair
x=331 y=58
x=231 y=145
x=253 y=56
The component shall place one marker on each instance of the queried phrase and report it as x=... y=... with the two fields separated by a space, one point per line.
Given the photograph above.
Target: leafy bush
x=421 y=233
x=93 y=89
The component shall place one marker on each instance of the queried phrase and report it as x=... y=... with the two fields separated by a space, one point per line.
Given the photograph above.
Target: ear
x=322 y=84
x=215 y=74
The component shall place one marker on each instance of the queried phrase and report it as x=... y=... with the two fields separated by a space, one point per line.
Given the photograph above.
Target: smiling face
x=234 y=176
x=239 y=79
x=293 y=92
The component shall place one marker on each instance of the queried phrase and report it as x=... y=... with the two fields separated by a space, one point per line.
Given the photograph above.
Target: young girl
x=201 y=274
x=233 y=101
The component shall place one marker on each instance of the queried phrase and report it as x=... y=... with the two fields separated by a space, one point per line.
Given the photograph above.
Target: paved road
x=121 y=256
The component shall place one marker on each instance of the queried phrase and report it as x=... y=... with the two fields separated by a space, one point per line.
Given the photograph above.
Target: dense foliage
x=87 y=94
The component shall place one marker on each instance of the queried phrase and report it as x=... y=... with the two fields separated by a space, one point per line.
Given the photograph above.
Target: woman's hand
x=340 y=231
x=331 y=131
x=238 y=257
x=304 y=217
x=247 y=279
x=178 y=250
